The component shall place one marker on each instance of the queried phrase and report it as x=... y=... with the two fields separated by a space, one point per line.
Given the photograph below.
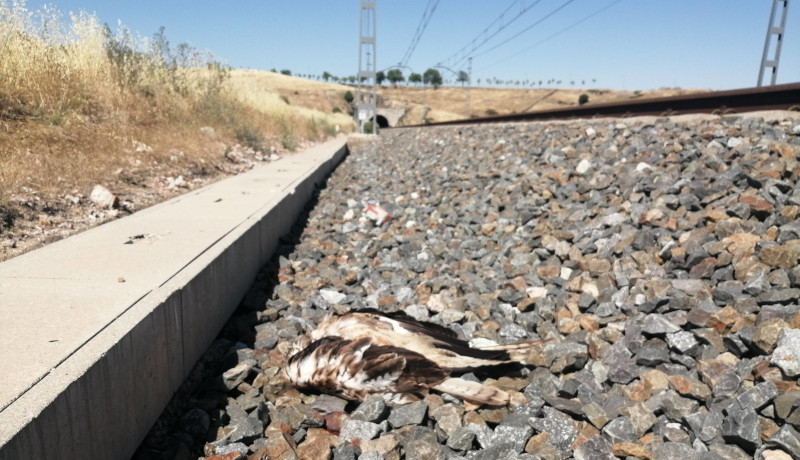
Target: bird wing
x=356 y=368
x=437 y=343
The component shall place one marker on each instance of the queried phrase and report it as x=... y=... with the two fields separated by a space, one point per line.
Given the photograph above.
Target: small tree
x=463 y=77
x=583 y=99
x=415 y=78
x=380 y=77
x=348 y=96
x=326 y=76
x=286 y=72
x=395 y=76
x=432 y=77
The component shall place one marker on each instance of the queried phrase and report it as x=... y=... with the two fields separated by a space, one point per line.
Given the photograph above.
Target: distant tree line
x=432 y=77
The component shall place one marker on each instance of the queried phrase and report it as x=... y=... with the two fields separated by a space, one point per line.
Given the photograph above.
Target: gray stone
x=357 y=429
x=408 y=414
x=674 y=451
x=245 y=427
x=740 y=426
x=706 y=426
x=232 y=447
x=596 y=448
x=789 y=439
x=372 y=409
x=517 y=436
x=682 y=342
x=560 y=427
x=620 y=430
x=461 y=439
x=423 y=449
x=676 y=407
x=787 y=353
x=655 y=324
x=326 y=404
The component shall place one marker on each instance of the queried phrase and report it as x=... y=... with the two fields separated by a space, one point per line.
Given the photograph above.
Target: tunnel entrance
x=382 y=121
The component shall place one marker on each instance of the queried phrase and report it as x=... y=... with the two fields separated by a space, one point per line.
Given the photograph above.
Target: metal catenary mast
x=778 y=29
x=366 y=93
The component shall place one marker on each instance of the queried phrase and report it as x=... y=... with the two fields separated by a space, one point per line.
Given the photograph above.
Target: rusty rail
x=778 y=97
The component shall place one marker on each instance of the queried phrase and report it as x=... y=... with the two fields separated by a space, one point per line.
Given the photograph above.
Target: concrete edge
x=120 y=381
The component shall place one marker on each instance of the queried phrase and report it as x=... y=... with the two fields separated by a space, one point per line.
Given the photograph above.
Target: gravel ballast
x=659 y=256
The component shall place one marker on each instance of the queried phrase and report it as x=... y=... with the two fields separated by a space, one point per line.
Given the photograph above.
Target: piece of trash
x=120 y=280
x=104 y=198
x=377 y=214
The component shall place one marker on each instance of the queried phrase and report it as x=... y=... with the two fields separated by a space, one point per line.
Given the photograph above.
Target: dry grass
x=79 y=102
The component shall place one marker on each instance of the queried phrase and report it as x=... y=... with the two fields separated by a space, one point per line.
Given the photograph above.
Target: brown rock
x=741 y=243
x=655 y=379
x=757 y=204
x=536 y=441
x=724 y=319
x=598 y=266
x=586 y=432
x=782 y=256
x=382 y=445
x=690 y=387
x=713 y=370
x=747 y=267
x=548 y=272
x=278 y=445
x=334 y=421
x=651 y=215
x=767 y=332
x=317 y=445
x=629 y=449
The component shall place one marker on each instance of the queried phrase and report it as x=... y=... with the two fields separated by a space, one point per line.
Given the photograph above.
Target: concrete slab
x=100 y=329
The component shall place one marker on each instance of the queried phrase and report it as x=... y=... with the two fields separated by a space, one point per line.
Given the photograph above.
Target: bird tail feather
x=518 y=352
x=474 y=391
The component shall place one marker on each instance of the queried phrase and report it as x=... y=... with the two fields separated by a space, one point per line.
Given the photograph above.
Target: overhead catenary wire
x=485 y=30
x=430 y=7
x=482 y=33
x=557 y=33
x=513 y=37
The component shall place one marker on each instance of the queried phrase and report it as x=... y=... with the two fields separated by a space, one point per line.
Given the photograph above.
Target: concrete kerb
x=100 y=400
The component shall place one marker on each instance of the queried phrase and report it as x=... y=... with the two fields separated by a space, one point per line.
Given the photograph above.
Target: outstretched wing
x=356 y=368
x=435 y=342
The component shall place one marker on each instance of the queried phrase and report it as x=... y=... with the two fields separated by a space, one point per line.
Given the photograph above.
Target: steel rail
x=778 y=97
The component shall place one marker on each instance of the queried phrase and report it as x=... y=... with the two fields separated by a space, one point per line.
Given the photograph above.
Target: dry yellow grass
x=76 y=100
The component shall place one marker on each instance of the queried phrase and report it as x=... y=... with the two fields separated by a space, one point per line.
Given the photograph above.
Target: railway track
x=778 y=97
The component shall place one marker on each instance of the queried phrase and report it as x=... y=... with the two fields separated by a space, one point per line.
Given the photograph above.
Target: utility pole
x=773 y=29
x=469 y=86
x=366 y=93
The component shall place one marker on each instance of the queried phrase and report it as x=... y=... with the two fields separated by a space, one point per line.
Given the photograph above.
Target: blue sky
x=631 y=44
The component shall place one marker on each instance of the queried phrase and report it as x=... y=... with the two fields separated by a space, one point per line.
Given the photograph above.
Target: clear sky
x=628 y=44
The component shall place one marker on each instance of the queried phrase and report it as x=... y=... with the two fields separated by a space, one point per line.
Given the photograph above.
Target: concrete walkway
x=98 y=330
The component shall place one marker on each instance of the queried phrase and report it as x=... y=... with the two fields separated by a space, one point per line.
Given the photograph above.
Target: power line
x=423 y=24
x=563 y=5
x=486 y=39
x=559 y=32
x=485 y=30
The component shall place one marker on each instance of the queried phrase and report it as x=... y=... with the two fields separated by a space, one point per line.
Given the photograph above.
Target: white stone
x=536 y=292
x=583 y=166
x=331 y=296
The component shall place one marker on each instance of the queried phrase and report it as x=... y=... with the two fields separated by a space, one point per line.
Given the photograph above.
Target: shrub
x=348 y=97
x=583 y=99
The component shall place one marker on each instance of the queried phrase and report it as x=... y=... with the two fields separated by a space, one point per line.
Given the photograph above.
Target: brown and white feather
x=362 y=353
